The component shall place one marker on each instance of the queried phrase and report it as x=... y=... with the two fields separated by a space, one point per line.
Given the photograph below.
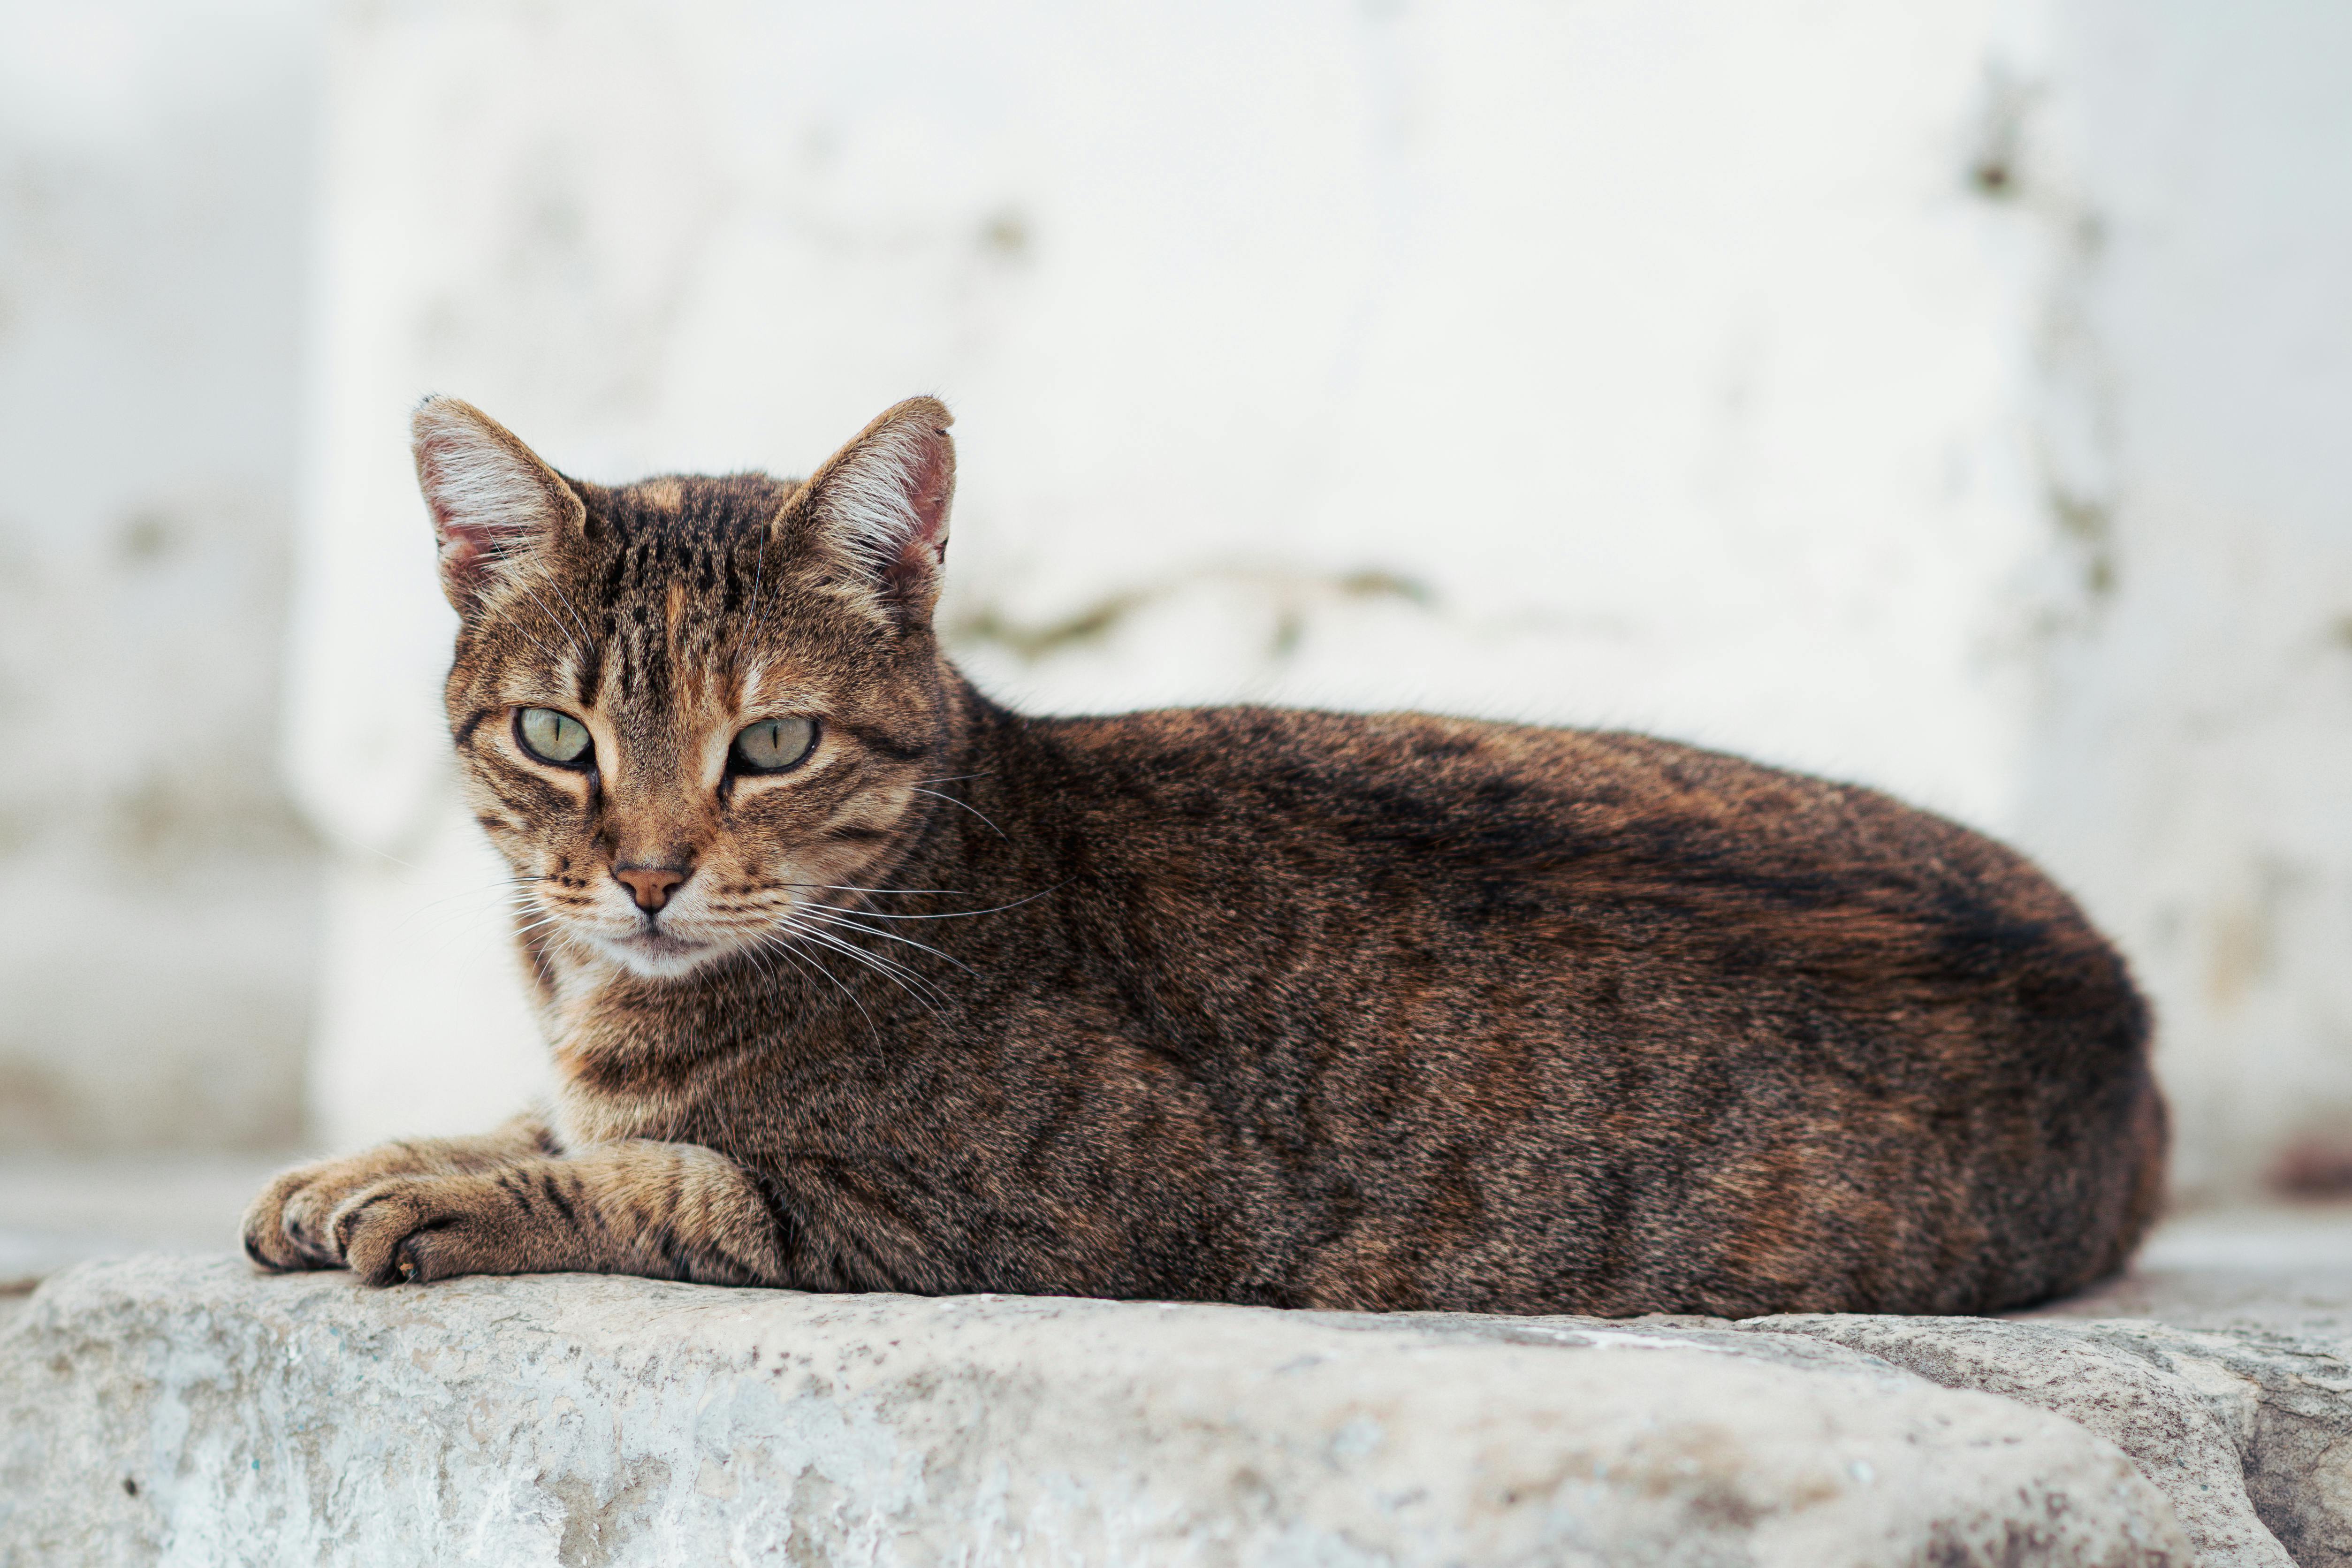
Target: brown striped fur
x=1302 y=1009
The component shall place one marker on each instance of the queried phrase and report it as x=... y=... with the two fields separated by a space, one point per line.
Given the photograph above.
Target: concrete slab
x=184 y=1411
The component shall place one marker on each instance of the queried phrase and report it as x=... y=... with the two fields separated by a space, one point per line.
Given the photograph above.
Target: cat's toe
x=407 y=1230
x=265 y=1245
x=427 y=1255
x=274 y=1234
x=369 y=1225
x=303 y=1223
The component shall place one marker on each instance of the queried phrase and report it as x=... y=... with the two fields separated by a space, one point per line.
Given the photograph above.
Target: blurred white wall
x=2191 y=766
x=1946 y=396
x=1616 y=363
x=158 y=897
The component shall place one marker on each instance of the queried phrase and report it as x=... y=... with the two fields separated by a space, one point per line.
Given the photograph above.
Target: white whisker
x=849 y=919
x=898 y=974
x=888 y=967
x=565 y=600
x=798 y=960
x=577 y=652
x=952 y=800
x=951 y=915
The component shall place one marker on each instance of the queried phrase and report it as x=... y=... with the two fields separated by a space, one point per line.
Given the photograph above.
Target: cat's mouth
x=658 y=953
x=655 y=942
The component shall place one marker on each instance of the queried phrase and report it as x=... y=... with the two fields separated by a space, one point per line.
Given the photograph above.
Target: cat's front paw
x=418 y=1228
x=292 y=1224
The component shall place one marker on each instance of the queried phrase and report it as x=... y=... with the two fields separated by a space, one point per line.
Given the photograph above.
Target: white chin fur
x=664 y=958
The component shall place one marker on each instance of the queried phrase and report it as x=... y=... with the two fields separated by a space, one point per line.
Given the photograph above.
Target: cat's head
x=684 y=707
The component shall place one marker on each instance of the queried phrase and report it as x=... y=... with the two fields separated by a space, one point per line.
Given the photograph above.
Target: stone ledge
x=186 y=1411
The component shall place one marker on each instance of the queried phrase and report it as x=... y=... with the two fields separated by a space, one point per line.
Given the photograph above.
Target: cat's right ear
x=878 y=508
x=495 y=505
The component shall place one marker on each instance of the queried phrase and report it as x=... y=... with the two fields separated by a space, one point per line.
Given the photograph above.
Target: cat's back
x=1897 y=1024
x=1272 y=870
x=1610 y=815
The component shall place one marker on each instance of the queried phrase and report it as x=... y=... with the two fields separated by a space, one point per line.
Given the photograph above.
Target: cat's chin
x=659 y=955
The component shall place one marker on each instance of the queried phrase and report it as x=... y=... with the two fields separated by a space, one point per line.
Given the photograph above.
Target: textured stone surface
x=2254 y=1308
x=2249 y=1432
x=178 y=1411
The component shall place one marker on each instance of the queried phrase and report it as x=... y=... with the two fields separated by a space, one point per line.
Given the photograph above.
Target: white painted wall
x=2191 y=768
x=1945 y=395
x=1665 y=348
x=158 y=896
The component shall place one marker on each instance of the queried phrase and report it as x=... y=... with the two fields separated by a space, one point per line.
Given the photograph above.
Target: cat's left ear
x=495 y=505
x=879 y=507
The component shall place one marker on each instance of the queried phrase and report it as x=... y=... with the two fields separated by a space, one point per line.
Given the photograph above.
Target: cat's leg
x=668 y=1210
x=286 y=1228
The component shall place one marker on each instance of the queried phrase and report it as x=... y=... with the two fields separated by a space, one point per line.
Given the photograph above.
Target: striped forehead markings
x=669 y=543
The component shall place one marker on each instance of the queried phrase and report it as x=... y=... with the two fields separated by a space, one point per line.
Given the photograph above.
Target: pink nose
x=650 y=885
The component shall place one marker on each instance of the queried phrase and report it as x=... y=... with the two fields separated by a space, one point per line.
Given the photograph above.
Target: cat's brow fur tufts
x=1298 y=1009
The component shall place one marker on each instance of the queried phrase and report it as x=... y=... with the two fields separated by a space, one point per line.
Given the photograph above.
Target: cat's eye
x=553 y=737
x=773 y=745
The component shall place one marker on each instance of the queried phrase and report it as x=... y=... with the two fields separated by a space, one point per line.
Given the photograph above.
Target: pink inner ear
x=467 y=549
x=925 y=545
x=460 y=549
x=462 y=552
x=928 y=494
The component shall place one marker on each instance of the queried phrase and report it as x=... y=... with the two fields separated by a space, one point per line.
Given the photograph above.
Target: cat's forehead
x=695 y=544
x=690 y=507
x=691 y=601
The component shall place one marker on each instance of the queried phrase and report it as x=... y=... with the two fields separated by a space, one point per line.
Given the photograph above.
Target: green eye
x=772 y=745
x=553 y=737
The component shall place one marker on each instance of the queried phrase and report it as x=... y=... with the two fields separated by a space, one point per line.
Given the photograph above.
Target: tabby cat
x=857 y=981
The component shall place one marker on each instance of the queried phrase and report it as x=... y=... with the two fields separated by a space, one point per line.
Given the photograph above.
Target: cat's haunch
x=855 y=981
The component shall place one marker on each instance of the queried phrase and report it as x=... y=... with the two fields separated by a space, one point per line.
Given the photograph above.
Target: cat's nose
x=651 y=885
